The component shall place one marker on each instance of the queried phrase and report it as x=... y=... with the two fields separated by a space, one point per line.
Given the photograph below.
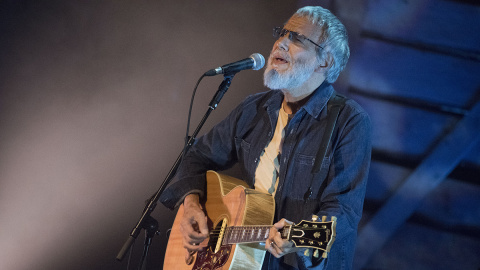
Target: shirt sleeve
x=344 y=192
x=213 y=151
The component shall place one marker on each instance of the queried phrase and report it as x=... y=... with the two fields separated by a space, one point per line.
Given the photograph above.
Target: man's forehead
x=304 y=26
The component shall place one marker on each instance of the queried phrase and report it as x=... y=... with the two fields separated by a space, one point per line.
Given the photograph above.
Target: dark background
x=93 y=106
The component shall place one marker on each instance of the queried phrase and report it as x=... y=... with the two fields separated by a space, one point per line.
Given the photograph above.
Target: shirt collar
x=319 y=99
x=314 y=106
x=275 y=101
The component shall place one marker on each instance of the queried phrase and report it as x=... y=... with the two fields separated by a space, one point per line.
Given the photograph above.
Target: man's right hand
x=193 y=226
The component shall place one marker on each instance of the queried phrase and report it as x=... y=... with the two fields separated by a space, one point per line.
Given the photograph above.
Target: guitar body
x=229 y=201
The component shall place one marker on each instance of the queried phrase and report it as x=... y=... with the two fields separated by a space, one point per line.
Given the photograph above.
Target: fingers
x=194 y=215
x=279 y=249
x=282 y=223
x=203 y=225
x=194 y=226
x=192 y=237
x=275 y=244
x=275 y=250
x=189 y=256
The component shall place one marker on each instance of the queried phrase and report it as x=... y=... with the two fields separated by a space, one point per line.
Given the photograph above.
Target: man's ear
x=325 y=63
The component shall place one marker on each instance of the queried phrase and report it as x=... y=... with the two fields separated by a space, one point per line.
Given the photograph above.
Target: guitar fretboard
x=249 y=234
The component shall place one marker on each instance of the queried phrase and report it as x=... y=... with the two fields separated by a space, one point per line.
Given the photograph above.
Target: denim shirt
x=338 y=189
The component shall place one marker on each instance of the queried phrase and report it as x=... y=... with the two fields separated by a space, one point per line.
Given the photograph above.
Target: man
x=275 y=136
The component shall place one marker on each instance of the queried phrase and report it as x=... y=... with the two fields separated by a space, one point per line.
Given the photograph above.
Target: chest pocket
x=305 y=179
x=243 y=152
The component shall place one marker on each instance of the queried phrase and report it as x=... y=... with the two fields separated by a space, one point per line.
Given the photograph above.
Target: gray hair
x=334 y=38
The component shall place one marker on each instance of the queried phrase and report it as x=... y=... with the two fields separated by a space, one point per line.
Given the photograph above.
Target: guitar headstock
x=315 y=234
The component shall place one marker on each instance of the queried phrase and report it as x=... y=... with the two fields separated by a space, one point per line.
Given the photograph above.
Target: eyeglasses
x=293 y=36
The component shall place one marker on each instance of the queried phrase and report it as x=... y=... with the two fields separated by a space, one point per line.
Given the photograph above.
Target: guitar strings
x=232 y=229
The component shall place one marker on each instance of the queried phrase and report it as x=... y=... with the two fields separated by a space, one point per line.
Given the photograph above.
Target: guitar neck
x=250 y=234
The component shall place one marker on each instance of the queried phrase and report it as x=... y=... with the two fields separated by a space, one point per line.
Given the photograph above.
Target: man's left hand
x=275 y=244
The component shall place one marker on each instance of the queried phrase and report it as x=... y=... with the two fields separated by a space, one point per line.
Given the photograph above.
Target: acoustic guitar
x=240 y=219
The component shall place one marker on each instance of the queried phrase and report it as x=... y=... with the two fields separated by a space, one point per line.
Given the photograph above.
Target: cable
x=187 y=137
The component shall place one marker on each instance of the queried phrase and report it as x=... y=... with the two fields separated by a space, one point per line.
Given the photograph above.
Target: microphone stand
x=146 y=221
x=151 y=228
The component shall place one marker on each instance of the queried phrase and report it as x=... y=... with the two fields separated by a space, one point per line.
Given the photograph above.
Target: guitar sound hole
x=214 y=237
x=208 y=259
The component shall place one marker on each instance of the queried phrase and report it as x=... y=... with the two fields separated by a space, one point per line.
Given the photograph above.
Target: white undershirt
x=266 y=175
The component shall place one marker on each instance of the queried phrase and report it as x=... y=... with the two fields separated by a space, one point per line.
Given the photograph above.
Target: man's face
x=292 y=62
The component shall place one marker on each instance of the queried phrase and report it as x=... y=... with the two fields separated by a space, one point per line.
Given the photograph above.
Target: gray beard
x=289 y=80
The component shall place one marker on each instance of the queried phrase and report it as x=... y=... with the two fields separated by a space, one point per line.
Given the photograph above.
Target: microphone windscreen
x=258 y=61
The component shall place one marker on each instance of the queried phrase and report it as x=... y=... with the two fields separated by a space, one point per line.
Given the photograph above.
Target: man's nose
x=284 y=42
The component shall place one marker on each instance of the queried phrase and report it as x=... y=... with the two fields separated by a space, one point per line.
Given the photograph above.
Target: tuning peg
x=324 y=218
x=315 y=253
x=334 y=218
x=324 y=255
x=307 y=252
x=314 y=217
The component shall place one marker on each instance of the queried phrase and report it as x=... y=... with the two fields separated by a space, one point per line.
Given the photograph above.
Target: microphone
x=255 y=62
